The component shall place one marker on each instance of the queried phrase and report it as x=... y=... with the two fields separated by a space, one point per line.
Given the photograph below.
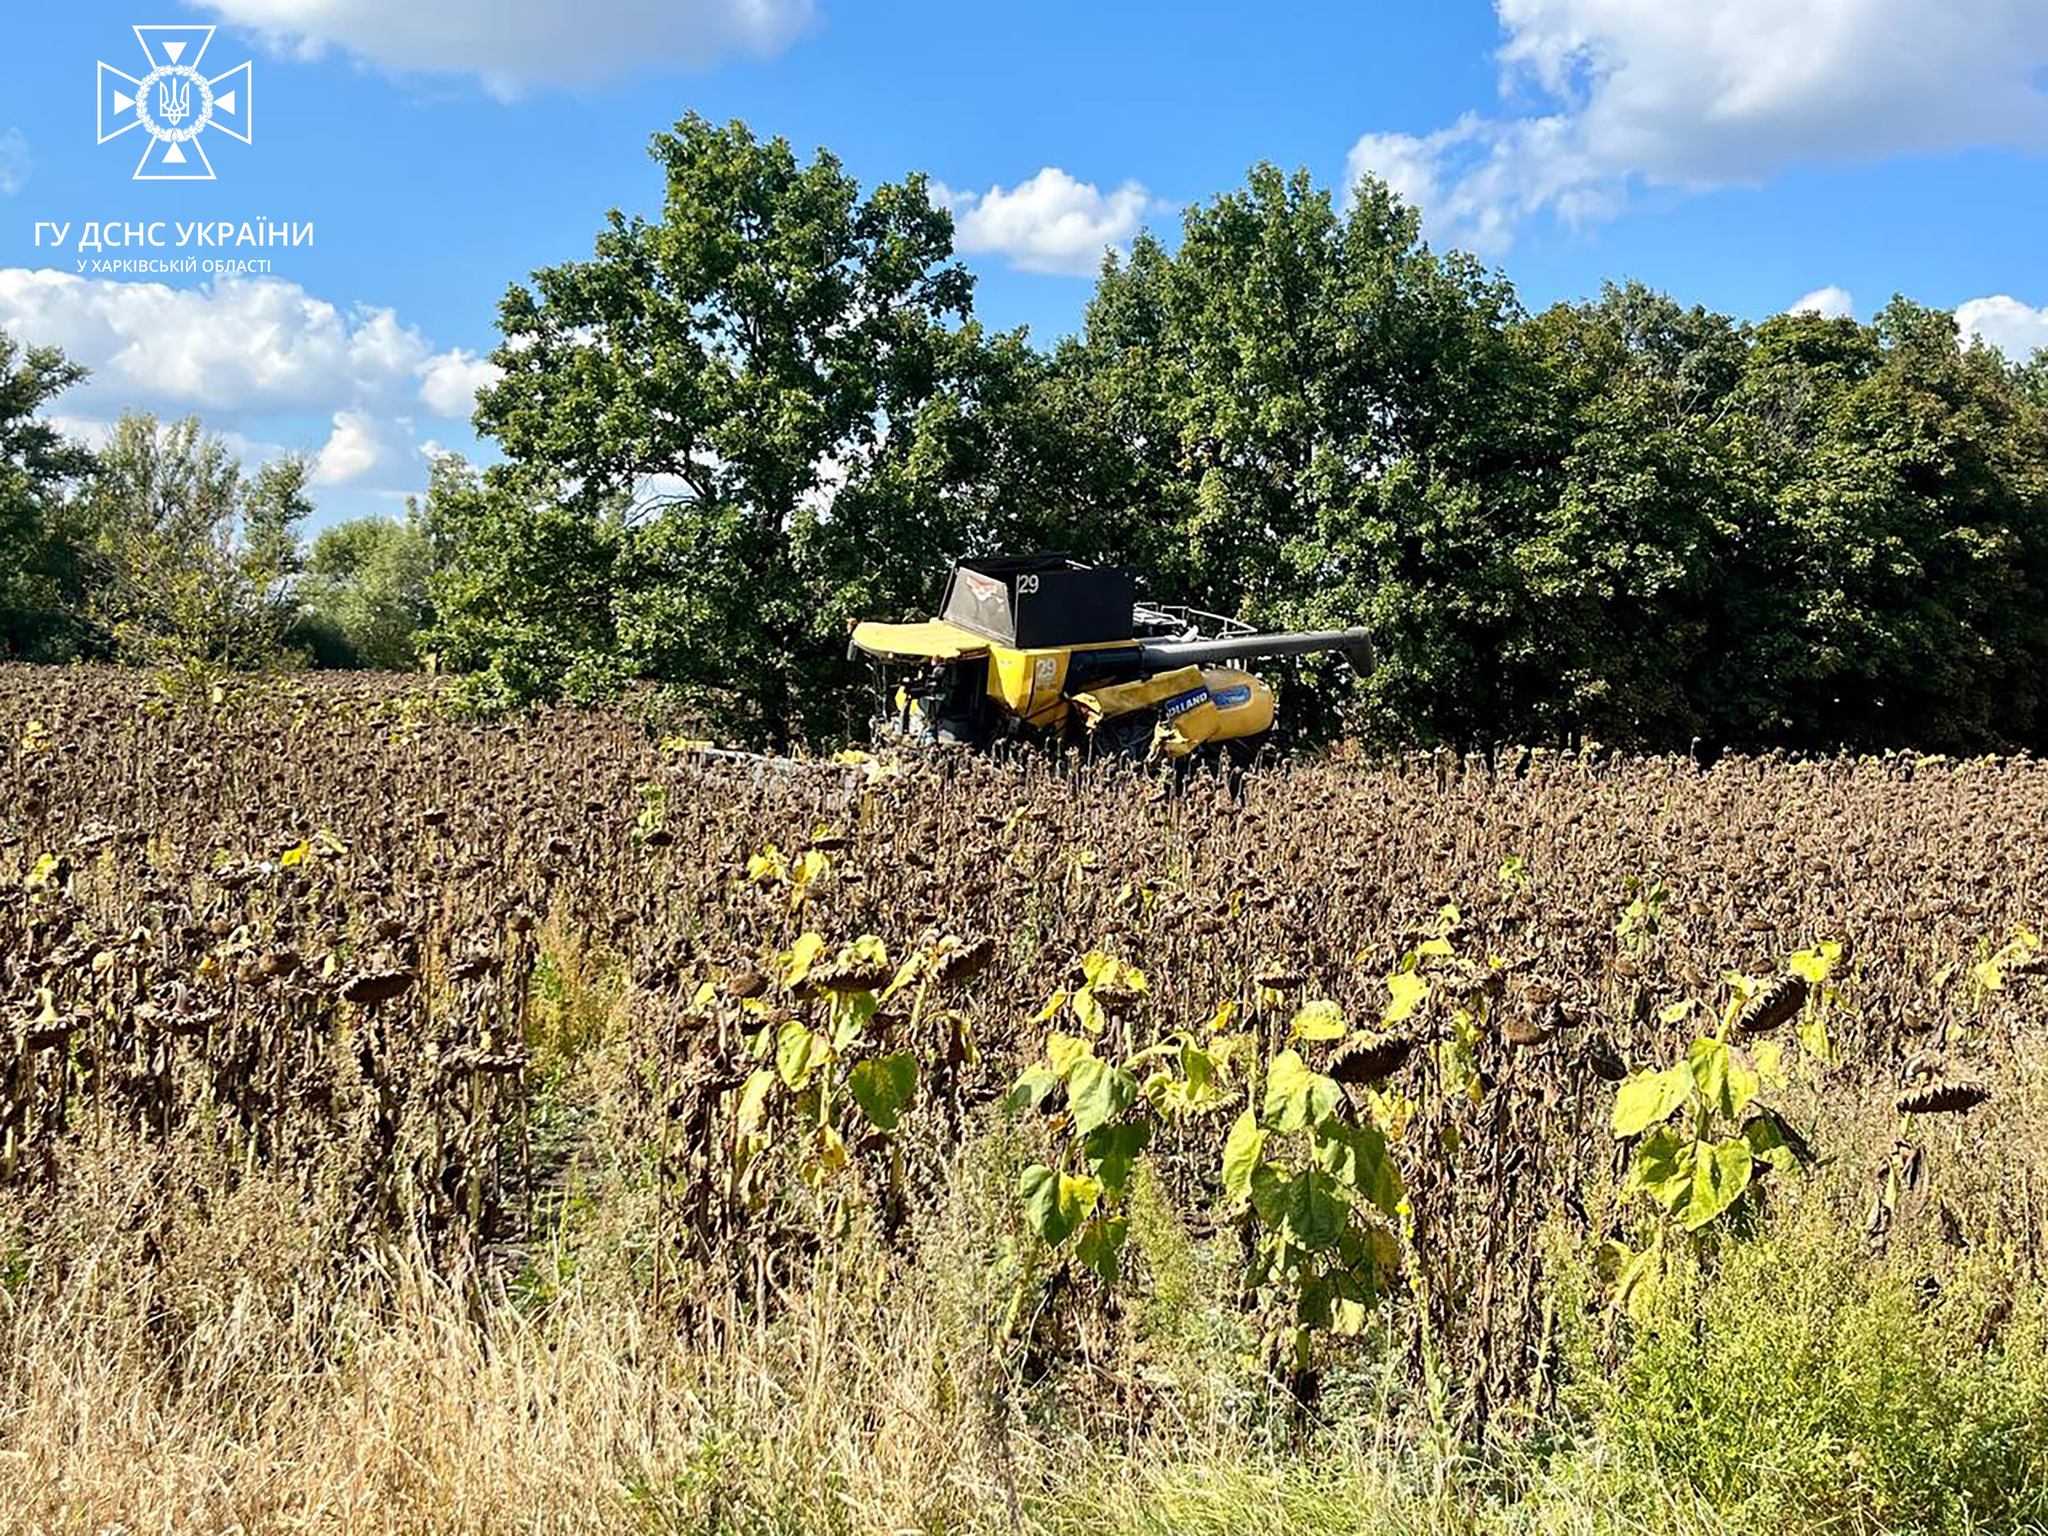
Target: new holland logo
x=175 y=103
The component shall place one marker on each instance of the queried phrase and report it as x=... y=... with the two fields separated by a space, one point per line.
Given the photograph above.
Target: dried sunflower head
x=958 y=962
x=1943 y=1098
x=1776 y=1005
x=473 y=966
x=1528 y=1027
x=1603 y=1063
x=368 y=988
x=853 y=974
x=746 y=985
x=1371 y=1058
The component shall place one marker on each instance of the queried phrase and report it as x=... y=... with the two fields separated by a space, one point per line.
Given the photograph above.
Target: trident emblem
x=174 y=103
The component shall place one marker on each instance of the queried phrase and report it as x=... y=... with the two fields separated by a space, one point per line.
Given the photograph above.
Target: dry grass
x=174 y=1362
x=171 y=1362
x=849 y=1417
x=236 y=1395
x=177 y=1363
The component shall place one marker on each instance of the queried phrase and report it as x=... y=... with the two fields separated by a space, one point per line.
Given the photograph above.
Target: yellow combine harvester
x=1047 y=648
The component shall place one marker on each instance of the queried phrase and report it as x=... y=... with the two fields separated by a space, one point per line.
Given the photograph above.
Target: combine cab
x=1041 y=647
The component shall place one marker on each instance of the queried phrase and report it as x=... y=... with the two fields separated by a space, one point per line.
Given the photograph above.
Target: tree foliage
x=1623 y=519
x=41 y=583
x=526 y=607
x=363 y=599
x=743 y=424
x=192 y=558
x=678 y=411
x=1319 y=420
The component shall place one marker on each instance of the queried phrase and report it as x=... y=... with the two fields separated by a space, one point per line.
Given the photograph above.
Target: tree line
x=160 y=549
x=769 y=411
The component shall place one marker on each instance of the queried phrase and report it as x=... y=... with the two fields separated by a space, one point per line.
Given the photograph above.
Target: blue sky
x=1747 y=154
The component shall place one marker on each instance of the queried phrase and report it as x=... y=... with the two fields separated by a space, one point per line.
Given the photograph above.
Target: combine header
x=1042 y=647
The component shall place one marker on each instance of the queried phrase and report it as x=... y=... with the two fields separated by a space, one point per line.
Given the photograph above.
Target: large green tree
x=1909 y=481
x=524 y=589
x=191 y=557
x=1624 y=519
x=41 y=576
x=731 y=429
x=1638 y=566
x=1319 y=420
x=364 y=597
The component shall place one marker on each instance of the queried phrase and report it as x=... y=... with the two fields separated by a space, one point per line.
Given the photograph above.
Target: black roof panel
x=1040 y=601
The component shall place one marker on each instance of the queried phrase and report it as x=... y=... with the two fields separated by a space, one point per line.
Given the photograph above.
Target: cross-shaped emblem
x=174 y=103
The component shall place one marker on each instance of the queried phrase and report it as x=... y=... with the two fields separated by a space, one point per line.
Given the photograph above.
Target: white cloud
x=449 y=383
x=1830 y=302
x=233 y=343
x=14 y=161
x=1050 y=223
x=516 y=45
x=88 y=430
x=2018 y=330
x=240 y=348
x=1477 y=180
x=353 y=451
x=1628 y=92
x=1412 y=165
